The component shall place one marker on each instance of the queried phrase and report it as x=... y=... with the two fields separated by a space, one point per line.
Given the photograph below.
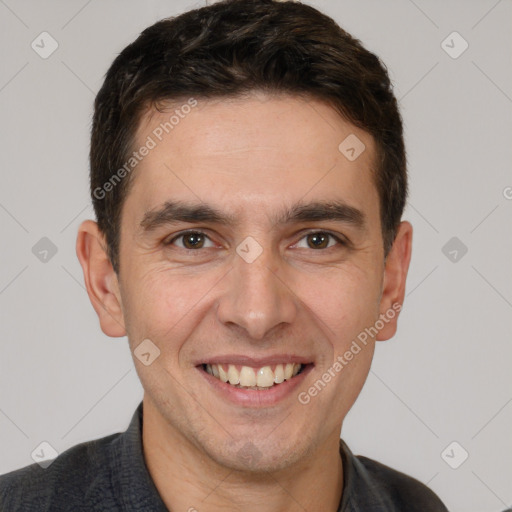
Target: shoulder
x=71 y=479
x=372 y=486
x=405 y=492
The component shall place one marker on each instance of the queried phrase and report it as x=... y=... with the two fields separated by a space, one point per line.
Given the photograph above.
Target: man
x=248 y=175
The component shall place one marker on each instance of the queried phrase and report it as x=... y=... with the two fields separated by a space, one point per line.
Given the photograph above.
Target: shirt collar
x=362 y=492
x=131 y=481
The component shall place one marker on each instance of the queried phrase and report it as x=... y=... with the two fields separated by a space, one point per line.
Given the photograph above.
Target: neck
x=188 y=479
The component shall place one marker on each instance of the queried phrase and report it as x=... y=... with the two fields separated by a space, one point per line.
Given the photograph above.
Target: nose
x=257 y=297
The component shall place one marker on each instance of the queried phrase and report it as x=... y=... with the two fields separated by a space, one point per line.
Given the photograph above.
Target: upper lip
x=255 y=362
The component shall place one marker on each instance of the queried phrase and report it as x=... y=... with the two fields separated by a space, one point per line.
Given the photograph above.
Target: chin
x=259 y=455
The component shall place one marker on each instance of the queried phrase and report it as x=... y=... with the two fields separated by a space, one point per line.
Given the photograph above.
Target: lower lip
x=254 y=397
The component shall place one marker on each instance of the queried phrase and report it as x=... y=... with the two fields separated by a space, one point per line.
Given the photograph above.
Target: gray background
x=444 y=377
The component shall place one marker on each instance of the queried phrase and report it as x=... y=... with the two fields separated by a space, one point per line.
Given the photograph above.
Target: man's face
x=299 y=290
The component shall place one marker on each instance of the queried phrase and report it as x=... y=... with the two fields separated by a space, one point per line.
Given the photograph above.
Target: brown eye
x=193 y=240
x=318 y=240
x=190 y=240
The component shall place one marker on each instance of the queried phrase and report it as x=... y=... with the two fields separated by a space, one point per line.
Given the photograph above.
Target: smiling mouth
x=247 y=377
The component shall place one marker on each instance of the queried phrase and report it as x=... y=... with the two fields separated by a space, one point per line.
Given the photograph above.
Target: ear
x=100 y=279
x=395 y=275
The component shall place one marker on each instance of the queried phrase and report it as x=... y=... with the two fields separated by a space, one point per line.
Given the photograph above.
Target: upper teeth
x=263 y=377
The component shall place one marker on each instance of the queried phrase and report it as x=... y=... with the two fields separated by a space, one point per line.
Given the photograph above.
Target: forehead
x=240 y=154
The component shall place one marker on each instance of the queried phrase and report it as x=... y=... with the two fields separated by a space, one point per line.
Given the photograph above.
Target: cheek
x=344 y=301
x=161 y=304
x=166 y=305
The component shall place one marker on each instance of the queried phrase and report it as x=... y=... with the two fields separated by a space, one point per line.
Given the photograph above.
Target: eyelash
x=197 y=232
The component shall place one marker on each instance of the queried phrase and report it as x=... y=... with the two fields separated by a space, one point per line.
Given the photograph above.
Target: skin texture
x=251 y=158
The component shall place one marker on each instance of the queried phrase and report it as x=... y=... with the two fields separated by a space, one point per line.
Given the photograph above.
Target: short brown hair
x=231 y=48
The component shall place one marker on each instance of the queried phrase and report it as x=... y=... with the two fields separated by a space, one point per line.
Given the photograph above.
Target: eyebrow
x=173 y=212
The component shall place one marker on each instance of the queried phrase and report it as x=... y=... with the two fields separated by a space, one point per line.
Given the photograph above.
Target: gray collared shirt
x=110 y=474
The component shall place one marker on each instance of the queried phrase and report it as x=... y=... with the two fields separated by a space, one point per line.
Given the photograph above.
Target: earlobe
x=100 y=279
x=395 y=276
